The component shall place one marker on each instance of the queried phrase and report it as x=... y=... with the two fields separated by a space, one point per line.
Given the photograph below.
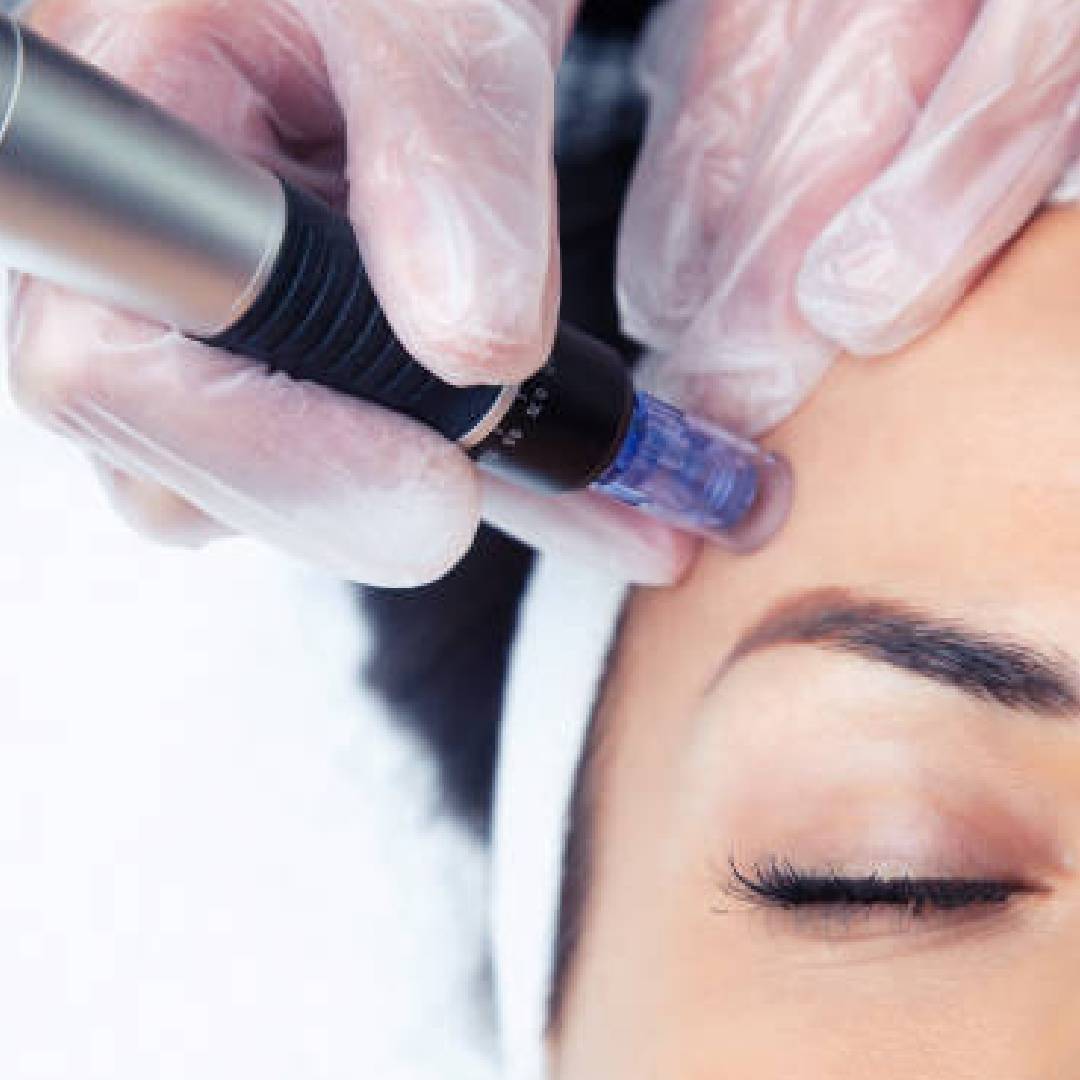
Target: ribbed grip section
x=318 y=319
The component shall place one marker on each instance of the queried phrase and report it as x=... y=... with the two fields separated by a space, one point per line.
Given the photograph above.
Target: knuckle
x=49 y=385
x=50 y=371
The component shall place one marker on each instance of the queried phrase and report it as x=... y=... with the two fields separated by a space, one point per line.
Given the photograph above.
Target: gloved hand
x=440 y=116
x=832 y=174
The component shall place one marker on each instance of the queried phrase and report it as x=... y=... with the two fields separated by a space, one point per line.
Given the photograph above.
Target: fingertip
x=873 y=285
x=428 y=517
x=859 y=279
x=471 y=307
x=593 y=529
x=472 y=352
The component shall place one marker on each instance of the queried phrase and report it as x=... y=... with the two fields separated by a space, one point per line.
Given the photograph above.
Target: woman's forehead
x=948 y=477
x=960 y=455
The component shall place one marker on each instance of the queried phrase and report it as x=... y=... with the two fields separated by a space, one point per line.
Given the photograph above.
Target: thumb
x=450 y=108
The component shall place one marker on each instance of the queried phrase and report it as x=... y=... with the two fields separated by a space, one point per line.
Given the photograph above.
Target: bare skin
x=944 y=484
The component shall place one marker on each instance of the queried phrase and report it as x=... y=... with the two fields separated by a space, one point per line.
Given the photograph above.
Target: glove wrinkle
x=830 y=175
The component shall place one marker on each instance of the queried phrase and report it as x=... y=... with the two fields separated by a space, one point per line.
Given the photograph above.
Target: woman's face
x=837 y=791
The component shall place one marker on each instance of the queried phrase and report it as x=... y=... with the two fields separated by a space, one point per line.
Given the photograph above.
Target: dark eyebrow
x=985 y=666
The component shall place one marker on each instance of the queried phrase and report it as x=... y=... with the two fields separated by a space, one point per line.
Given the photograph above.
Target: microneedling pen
x=103 y=192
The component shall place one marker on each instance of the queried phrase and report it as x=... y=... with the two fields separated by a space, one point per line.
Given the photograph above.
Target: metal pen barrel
x=128 y=205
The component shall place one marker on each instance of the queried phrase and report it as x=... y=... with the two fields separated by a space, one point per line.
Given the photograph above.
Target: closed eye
x=781 y=884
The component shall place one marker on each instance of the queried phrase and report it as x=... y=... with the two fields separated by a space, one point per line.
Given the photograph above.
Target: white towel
x=567 y=623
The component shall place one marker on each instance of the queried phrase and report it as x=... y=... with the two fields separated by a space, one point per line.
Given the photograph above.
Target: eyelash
x=779 y=883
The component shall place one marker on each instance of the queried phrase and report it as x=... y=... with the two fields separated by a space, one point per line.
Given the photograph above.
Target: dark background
x=608 y=16
x=440 y=653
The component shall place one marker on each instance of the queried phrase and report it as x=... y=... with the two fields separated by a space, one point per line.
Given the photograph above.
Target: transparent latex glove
x=827 y=175
x=440 y=115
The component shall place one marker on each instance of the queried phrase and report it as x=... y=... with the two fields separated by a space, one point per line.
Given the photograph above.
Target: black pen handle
x=318 y=319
